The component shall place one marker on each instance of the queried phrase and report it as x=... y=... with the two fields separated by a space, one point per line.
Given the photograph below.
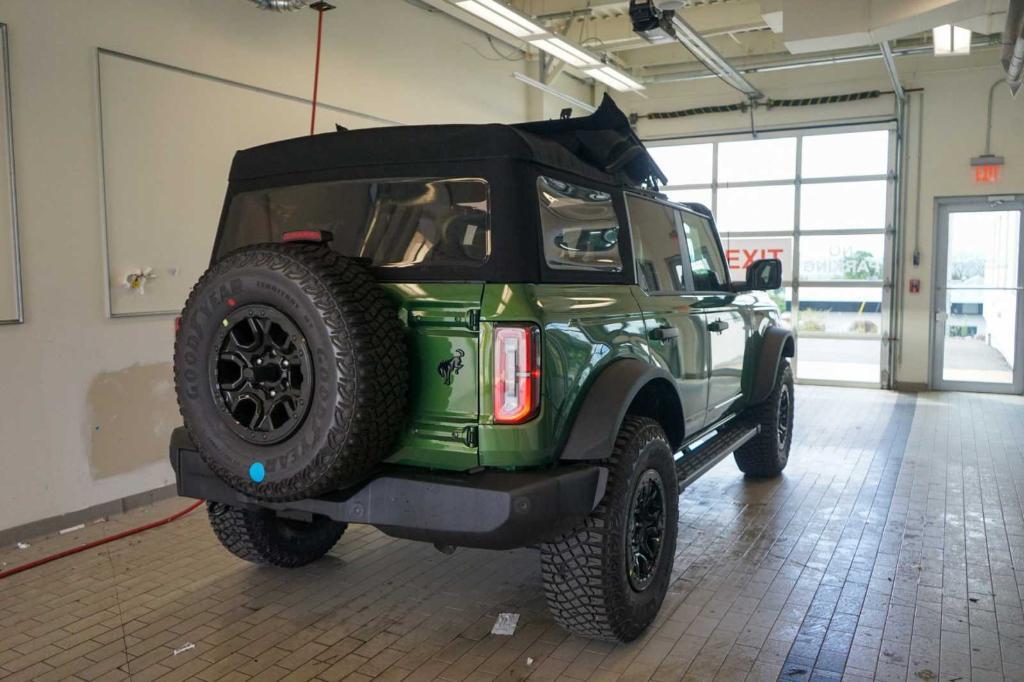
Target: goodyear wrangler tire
x=766 y=455
x=261 y=537
x=291 y=372
x=607 y=578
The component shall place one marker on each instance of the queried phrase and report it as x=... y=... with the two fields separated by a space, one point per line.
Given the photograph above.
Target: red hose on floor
x=102 y=541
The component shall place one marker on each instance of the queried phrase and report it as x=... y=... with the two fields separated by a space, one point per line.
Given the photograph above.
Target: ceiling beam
x=890 y=66
x=711 y=58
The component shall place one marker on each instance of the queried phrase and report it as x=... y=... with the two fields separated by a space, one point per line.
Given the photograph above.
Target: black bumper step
x=490 y=509
x=693 y=463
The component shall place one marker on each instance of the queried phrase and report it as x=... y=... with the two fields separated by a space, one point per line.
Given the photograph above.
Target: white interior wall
x=77 y=386
x=952 y=109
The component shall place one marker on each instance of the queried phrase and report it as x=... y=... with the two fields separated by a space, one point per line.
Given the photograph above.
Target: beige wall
x=86 y=402
x=953 y=105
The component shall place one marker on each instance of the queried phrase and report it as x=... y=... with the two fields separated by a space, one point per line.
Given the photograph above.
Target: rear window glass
x=394 y=223
x=580 y=228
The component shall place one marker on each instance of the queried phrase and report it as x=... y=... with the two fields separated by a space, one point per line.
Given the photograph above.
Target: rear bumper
x=489 y=509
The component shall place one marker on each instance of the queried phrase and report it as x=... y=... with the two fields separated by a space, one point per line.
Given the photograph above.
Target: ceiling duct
x=1013 y=45
x=280 y=5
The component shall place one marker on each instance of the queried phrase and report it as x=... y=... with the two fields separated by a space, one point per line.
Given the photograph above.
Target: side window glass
x=709 y=273
x=659 y=267
x=580 y=228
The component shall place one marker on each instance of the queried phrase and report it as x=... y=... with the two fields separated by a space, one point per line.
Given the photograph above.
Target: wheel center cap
x=267 y=374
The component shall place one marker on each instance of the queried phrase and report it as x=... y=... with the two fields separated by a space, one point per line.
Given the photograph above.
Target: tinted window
x=709 y=273
x=659 y=267
x=579 y=227
x=395 y=223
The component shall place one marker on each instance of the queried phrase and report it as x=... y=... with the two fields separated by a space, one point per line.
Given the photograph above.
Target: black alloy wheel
x=783 y=418
x=261 y=374
x=646 y=529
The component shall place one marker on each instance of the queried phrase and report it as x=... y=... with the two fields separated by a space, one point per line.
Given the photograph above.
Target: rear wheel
x=767 y=454
x=607 y=578
x=263 y=537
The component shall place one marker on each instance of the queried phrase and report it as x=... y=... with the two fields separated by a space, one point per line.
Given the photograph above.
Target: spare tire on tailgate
x=291 y=370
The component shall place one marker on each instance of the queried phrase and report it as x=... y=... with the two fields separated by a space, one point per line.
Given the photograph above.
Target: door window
x=982 y=287
x=709 y=273
x=659 y=267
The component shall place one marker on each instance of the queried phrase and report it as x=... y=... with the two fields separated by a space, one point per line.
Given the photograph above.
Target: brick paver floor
x=893 y=548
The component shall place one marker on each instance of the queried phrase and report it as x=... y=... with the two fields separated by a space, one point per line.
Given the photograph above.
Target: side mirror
x=764 y=275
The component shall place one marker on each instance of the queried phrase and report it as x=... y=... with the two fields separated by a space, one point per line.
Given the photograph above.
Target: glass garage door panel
x=846 y=154
x=689 y=164
x=689 y=196
x=859 y=205
x=840 y=334
x=982 y=292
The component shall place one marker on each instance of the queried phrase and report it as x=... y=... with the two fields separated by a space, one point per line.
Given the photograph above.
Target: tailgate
x=443 y=322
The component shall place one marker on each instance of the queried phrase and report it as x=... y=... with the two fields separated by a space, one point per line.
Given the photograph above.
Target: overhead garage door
x=821 y=200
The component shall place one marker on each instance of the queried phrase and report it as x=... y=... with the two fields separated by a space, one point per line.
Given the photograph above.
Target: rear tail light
x=516 y=373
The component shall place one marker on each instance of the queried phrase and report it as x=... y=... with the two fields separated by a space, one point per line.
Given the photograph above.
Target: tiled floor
x=892 y=548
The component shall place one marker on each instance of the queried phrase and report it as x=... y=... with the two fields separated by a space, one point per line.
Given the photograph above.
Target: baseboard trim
x=909 y=387
x=51 y=525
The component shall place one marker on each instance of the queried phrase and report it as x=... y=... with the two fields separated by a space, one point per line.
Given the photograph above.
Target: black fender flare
x=609 y=397
x=778 y=343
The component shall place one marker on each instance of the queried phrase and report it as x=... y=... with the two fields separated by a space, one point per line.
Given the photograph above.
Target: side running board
x=693 y=463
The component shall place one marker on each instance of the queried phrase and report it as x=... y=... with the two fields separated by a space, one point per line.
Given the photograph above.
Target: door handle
x=718 y=326
x=664 y=333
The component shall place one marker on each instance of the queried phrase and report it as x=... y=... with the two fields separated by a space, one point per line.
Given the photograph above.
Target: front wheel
x=767 y=454
x=607 y=578
x=263 y=537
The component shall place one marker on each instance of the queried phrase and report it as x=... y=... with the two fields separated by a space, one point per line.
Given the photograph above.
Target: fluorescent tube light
x=501 y=16
x=951 y=40
x=614 y=78
x=571 y=55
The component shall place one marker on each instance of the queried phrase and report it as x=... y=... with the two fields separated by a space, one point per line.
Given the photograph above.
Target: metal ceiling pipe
x=279 y=5
x=1013 y=45
x=682 y=76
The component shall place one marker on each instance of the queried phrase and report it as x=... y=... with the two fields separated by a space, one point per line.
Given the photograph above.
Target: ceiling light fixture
x=505 y=18
x=512 y=22
x=573 y=56
x=950 y=40
x=614 y=79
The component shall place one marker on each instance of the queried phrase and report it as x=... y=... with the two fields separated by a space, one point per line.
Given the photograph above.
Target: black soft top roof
x=602 y=146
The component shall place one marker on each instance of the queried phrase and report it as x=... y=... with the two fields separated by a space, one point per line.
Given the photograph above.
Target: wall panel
x=168 y=139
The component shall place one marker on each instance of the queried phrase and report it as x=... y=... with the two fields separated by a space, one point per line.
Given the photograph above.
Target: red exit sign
x=744 y=258
x=986 y=174
x=987 y=168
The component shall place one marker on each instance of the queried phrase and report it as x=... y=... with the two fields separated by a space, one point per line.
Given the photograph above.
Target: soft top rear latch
x=316 y=236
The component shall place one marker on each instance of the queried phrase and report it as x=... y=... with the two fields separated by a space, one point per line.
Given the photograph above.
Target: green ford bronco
x=491 y=336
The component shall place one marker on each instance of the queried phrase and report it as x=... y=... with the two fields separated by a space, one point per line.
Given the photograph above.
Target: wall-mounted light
x=951 y=40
